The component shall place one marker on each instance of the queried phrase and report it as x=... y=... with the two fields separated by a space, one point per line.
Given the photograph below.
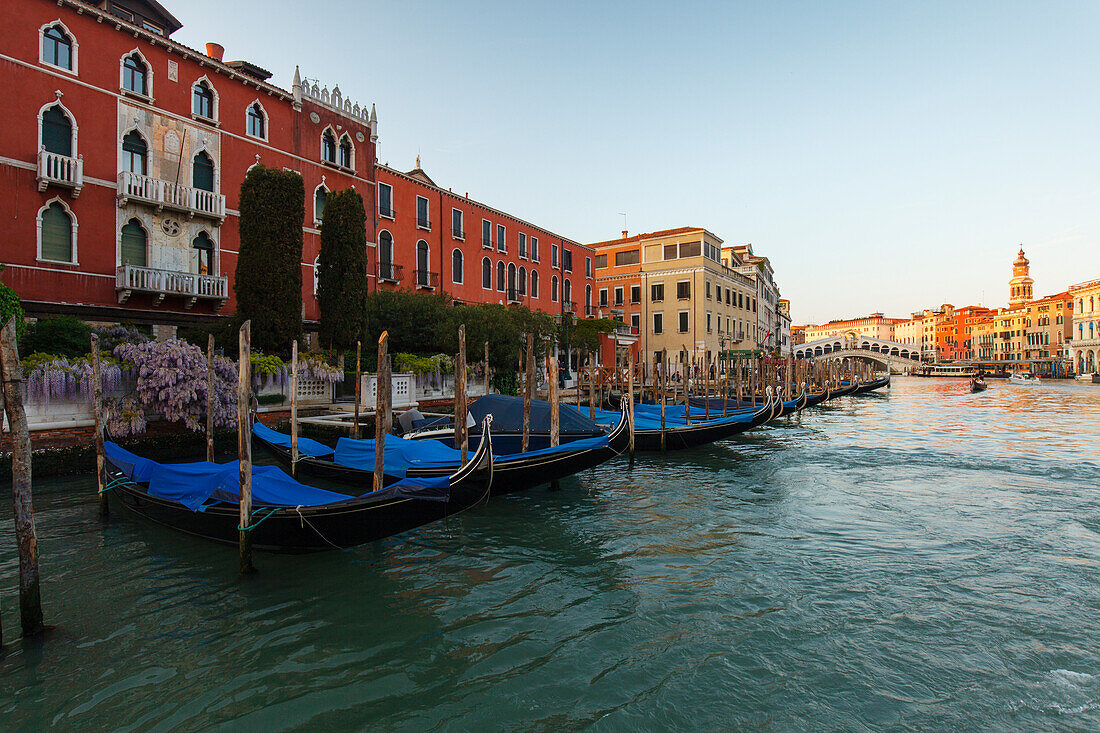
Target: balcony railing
x=569 y=306
x=61 y=170
x=427 y=279
x=423 y=223
x=513 y=295
x=131 y=279
x=169 y=195
x=389 y=272
x=623 y=329
x=457 y=233
x=487 y=243
x=386 y=211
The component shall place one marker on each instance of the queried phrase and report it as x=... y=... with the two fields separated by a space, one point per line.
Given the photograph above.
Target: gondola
x=978 y=385
x=507 y=412
x=844 y=388
x=201 y=499
x=719 y=404
x=678 y=434
x=352 y=461
x=873 y=385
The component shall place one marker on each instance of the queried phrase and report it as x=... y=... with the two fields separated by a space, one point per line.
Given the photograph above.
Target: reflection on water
x=925 y=559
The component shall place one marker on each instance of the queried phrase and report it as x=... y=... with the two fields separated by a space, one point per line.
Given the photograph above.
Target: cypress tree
x=342 y=270
x=268 y=281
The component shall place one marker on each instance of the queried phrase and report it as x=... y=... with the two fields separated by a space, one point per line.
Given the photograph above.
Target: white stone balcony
x=60 y=170
x=131 y=279
x=169 y=195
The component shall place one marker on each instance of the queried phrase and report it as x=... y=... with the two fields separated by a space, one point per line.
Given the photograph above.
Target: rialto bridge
x=853 y=346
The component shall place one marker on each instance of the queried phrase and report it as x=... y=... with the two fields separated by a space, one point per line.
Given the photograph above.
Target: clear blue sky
x=885 y=155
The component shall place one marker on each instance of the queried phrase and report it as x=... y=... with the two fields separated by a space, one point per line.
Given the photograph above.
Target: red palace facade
x=122 y=157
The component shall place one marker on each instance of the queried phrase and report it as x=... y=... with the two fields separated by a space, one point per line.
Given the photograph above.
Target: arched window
x=511 y=279
x=423 y=277
x=554 y=288
x=135 y=75
x=534 y=283
x=56 y=233
x=58 y=47
x=133 y=244
x=202 y=255
x=385 y=256
x=588 y=297
x=202 y=172
x=328 y=147
x=567 y=291
x=486 y=273
x=522 y=282
x=320 y=197
x=345 y=152
x=500 y=276
x=134 y=153
x=202 y=100
x=57 y=131
x=456 y=267
x=256 y=121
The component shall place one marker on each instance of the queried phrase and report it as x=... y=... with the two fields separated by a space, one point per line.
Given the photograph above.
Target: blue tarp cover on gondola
x=402 y=454
x=507 y=415
x=196 y=485
x=306 y=447
x=647 y=420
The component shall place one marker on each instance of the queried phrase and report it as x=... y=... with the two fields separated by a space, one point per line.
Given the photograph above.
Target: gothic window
x=257 y=121
x=57 y=233
x=202 y=172
x=328 y=147
x=135 y=75
x=57 y=47
x=133 y=243
x=134 y=153
x=202 y=100
x=57 y=131
x=202 y=255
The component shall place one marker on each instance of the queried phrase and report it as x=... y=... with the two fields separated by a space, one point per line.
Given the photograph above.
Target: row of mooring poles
x=11 y=402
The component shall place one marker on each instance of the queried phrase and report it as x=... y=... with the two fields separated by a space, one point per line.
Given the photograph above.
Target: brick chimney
x=624 y=234
x=215 y=51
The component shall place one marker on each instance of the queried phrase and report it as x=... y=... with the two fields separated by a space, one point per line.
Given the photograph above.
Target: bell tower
x=1021 y=282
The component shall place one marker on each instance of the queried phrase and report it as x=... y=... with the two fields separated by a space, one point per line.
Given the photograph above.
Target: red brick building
x=432 y=239
x=122 y=158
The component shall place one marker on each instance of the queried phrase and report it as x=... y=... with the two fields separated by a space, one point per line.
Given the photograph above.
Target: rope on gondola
x=114 y=483
x=254 y=525
x=303 y=522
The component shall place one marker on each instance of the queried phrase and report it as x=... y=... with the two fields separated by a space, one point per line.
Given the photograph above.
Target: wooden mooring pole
x=461 y=437
x=210 y=398
x=11 y=374
x=244 y=445
x=630 y=406
x=488 y=381
x=528 y=387
x=591 y=386
x=555 y=396
x=294 y=408
x=97 y=409
x=358 y=387
x=382 y=408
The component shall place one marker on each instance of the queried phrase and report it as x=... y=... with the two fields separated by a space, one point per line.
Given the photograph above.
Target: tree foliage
x=342 y=270
x=268 y=281
x=66 y=336
x=585 y=335
x=10 y=305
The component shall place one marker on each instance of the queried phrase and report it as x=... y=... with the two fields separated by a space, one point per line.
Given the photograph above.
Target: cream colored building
x=875 y=325
x=920 y=331
x=1084 y=344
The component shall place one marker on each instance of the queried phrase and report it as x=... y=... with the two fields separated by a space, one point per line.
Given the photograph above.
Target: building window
x=256 y=121
x=133 y=241
x=534 y=283
x=588 y=267
x=683 y=321
x=202 y=255
x=603 y=297
x=134 y=153
x=500 y=276
x=708 y=322
x=56 y=233
x=657 y=292
x=486 y=234
x=521 y=248
x=320 y=198
x=619 y=295
x=135 y=75
x=601 y=262
x=486 y=274
x=346 y=152
x=202 y=172
x=658 y=323
x=522 y=282
x=423 y=257
x=58 y=47
x=567 y=259
x=587 y=296
x=628 y=257
x=385 y=256
x=385 y=200
x=567 y=291
x=456 y=267
x=502 y=245
x=636 y=321
x=635 y=294
x=683 y=290
x=57 y=131
x=554 y=288
x=422 y=220
x=534 y=249
x=708 y=289
x=202 y=100
x=456 y=224
x=328 y=147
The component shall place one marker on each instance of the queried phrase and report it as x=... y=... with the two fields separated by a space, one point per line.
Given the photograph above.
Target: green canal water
x=925 y=559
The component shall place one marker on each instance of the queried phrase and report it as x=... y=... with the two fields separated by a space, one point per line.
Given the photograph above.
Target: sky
x=886 y=156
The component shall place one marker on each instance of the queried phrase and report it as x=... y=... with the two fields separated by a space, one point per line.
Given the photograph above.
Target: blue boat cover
x=507 y=412
x=402 y=454
x=647 y=420
x=678 y=411
x=306 y=447
x=196 y=485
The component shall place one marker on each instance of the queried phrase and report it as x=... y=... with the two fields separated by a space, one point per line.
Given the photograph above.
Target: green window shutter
x=57 y=132
x=133 y=244
x=202 y=172
x=57 y=234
